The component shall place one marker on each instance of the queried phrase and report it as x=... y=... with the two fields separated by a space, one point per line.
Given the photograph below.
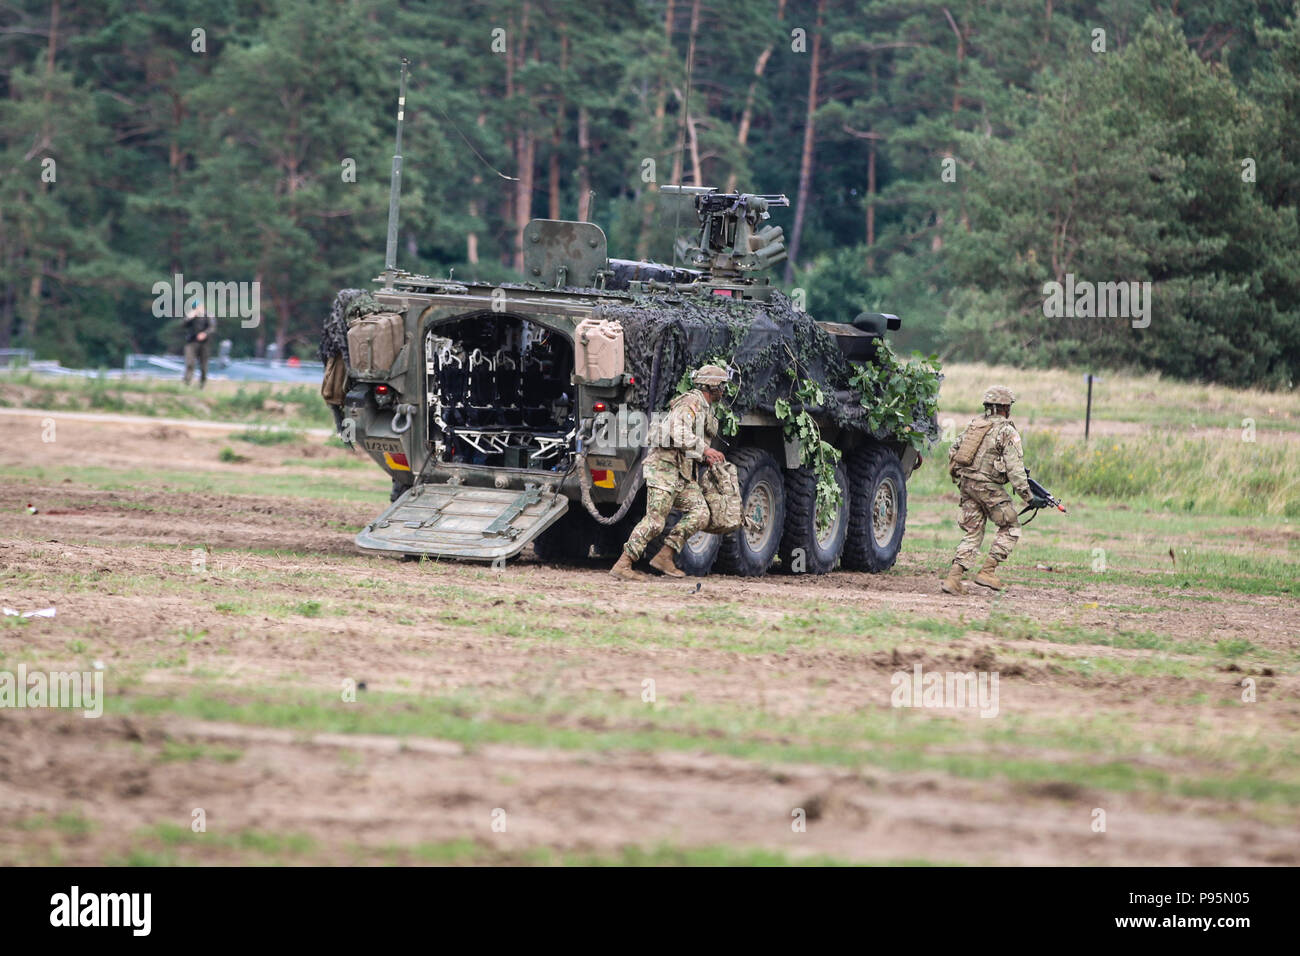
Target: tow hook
x=403 y=415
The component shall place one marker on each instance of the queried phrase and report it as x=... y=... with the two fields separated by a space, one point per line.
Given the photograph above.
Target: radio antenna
x=395 y=188
x=686 y=112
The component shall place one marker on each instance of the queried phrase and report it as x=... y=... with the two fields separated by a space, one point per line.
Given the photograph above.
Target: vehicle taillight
x=598 y=407
x=381 y=389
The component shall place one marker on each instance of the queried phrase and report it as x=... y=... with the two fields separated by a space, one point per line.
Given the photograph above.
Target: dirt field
x=232 y=618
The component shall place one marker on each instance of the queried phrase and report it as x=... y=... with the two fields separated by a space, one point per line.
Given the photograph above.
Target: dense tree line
x=945 y=159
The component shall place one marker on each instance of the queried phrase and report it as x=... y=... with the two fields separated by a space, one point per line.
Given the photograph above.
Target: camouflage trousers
x=196 y=353
x=666 y=490
x=981 y=503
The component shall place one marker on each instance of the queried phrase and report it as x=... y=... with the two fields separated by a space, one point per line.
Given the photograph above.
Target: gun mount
x=733 y=239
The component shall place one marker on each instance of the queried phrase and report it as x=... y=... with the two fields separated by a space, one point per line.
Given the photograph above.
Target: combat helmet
x=709 y=375
x=999 y=395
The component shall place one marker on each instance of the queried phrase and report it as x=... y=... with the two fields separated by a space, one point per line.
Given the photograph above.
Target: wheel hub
x=884 y=512
x=759 y=507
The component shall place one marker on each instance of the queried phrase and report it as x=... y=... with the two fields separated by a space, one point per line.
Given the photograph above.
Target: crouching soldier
x=985 y=457
x=681 y=441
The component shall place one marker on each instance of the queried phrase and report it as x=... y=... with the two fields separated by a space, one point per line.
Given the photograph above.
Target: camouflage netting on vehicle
x=762 y=340
x=348 y=304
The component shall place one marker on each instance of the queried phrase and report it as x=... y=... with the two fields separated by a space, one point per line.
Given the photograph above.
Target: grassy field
x=274 y=404
x=320 y=706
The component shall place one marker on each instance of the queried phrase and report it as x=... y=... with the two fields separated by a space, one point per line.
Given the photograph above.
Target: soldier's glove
x=1037 y=501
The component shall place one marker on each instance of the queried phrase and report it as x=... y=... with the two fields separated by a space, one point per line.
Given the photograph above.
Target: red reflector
x=599 y=407
x=726 y=292
x=631 y=379
x=381 y=389
x=401 y=459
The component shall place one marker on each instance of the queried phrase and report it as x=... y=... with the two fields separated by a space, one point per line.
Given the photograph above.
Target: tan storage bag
x=720 y=484
x=374 y=342
x=333 y=388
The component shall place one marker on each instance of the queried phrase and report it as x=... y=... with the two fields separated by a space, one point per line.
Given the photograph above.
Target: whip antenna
x=395 y=189
x=686 y=113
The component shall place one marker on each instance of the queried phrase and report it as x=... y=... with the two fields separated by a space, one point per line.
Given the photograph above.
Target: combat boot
x=624 y=571
x=663 y=561
x=952 y=583
x=986 y=576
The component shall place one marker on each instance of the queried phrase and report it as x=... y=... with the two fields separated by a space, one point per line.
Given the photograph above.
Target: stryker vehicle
x=507 y=414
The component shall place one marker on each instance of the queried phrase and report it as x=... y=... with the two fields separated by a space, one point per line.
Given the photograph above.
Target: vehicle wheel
x=697 y=556
x=699 y=552
x=749 y=551
x=806 y=548
x=399 y=488
x=877 y=509
x=569 y=540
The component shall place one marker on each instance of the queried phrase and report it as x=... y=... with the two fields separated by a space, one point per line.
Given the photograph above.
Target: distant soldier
x=681 y=440
x=199 y=329
x=986 y=456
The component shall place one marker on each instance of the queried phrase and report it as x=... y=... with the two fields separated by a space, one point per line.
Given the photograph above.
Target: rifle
x=1037 y=489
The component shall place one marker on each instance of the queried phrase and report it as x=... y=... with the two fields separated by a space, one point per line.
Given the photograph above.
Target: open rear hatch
x=462 y=521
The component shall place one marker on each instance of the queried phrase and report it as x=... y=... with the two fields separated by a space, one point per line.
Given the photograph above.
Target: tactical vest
x=969 y=455
x=971 y=439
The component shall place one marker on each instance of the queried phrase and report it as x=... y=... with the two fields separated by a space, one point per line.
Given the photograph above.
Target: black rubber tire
x=736 y=553
x=869 y=467
x=696 y=561
x=399 y=488
x=569 y=540
x=801 y=552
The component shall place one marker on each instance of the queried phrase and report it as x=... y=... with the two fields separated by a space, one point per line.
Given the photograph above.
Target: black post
x=1087 y=421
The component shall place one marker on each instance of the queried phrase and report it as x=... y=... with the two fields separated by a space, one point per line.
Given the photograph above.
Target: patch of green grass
x=230 y=456
x=177 y=751
x=255 y=841
x=268 y=436
x=368 y=486
x=334 y=461
x=894 y=738
x=296 y=406
x=1234 y=647
x=69 y=824
x=467 y=852
x=307 y=608
x=144 y=858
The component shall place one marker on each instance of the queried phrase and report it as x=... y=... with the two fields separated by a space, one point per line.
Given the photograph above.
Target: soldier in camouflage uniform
x=997 y=458
x=681 y=441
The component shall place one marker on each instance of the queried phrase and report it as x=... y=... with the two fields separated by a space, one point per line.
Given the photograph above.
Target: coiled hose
x=584 y=482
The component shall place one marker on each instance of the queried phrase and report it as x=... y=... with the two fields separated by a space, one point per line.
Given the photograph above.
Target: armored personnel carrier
x=512 y=414
x=516 y=414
